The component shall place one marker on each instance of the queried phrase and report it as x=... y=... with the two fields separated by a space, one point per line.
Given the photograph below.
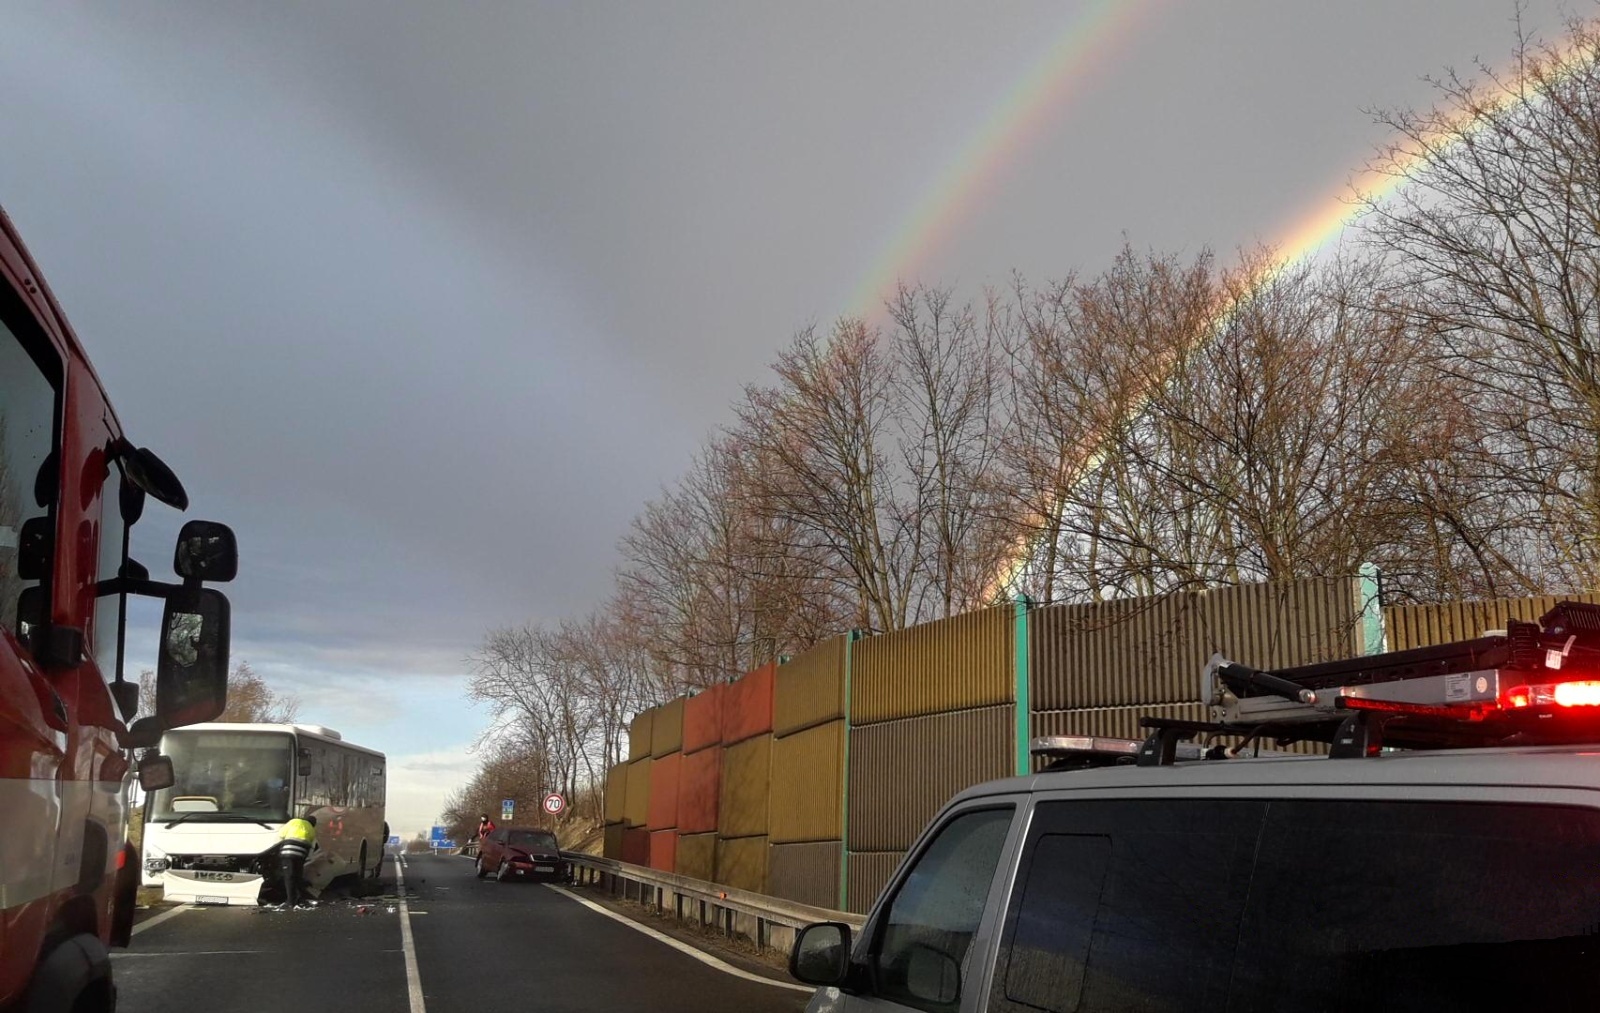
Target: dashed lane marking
x=680 y=946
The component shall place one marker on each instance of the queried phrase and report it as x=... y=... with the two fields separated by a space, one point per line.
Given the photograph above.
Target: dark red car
x=516 y=852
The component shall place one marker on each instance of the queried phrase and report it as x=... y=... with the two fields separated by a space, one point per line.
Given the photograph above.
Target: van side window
x=1060 y=898
x=1127 y=905
x=930 y=923
x=1422 y=905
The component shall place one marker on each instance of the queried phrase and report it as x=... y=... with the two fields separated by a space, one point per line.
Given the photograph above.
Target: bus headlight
x=155 y=865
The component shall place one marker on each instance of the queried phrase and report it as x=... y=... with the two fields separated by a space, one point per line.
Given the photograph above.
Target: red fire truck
x=71 y=487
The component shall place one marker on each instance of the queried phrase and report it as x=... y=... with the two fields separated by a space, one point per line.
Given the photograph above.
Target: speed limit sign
x=554 y=804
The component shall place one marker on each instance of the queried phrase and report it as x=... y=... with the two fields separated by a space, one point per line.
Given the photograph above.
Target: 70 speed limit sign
x=554 y=804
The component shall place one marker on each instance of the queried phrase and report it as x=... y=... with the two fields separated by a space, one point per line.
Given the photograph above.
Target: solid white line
x=680 y=946
x=413 y=978
x=158 y=919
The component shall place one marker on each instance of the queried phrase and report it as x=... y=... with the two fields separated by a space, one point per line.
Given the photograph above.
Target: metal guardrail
x=709 y=903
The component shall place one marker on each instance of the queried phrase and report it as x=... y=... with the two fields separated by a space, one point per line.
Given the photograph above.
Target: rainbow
x=1324 y=225
x=1086 y=45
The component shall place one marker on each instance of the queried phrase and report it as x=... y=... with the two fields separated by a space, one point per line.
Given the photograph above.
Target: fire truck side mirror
x=155 y=773
x=192 y=668
x=206 y=551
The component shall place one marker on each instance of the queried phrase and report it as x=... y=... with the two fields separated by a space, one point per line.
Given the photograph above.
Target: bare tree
x=825 y=430
x=947 y=386
x=1493 y=235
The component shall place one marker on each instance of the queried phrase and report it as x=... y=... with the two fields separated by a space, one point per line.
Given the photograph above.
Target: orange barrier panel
x=702 y=719
x=747 y=706
x=664 y=850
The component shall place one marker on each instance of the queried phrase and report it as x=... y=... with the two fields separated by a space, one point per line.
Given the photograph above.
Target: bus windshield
x=226 y=777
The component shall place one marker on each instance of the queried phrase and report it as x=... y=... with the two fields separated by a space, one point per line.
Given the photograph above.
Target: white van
x=1439 y=879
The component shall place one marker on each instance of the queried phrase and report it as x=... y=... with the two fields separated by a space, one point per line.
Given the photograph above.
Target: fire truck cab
x=71 y=487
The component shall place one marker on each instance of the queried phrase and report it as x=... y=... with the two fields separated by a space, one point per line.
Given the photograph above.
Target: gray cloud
x=427 y=299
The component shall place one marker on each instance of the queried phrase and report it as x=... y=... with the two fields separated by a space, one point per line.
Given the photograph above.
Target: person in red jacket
x=485 y=826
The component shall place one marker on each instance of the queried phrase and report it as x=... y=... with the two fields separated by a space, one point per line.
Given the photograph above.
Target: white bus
x=211 y=838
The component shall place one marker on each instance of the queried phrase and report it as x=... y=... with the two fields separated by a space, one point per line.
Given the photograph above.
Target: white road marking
x=413 y=978
x=682 y=947
x=163 y=916
x=189 y=953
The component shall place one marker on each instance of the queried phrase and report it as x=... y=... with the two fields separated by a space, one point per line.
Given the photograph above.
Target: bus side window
x=110 y=610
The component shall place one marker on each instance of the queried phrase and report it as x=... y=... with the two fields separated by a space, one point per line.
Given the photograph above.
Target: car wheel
x=482 y=872
x=503 y=873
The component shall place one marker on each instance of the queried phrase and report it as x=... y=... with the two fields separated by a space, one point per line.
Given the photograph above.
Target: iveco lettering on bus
x=71 y=487
x=211 y=837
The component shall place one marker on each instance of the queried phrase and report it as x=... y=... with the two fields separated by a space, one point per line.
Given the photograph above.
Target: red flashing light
x=1577 y=693
x=122 y=859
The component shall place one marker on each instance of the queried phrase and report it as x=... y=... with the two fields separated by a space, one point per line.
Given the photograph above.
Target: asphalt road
x=477 y=943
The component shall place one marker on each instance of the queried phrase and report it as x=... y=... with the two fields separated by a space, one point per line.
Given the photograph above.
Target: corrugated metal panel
x=1276 y=625
x=616 y=793
x=635 y=846
x=664 y=776
x=699 y=784
x=807 y=784
x=868 y=874
x=636 y=806
x=702 y=719
x=1425 y=625
x=639 y=734
x=697 y=856
x=742 y=863
x=957 y=663
x=805 y=873
x=901 y=772
x=809 y=690
x=611 y=846
x=1134 y=650
x=664 y=850
x=666 y=730
x=746 y=776
x=747 y=705
x=1151 y=650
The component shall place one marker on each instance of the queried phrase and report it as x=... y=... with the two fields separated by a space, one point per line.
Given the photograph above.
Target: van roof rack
x=1535 y=683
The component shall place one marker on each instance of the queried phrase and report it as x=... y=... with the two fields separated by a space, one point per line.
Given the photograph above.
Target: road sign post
x=508 y=809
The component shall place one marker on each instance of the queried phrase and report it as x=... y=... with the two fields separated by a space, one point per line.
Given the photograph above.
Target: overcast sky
x=426 y=299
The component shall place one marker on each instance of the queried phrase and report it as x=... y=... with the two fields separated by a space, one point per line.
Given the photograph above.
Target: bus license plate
x=544 y=868
x=212 y=900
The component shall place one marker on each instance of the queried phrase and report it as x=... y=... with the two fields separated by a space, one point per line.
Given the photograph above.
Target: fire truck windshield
x=226 y=777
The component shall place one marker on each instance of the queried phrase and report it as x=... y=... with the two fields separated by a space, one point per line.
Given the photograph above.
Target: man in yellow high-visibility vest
x=295 y=842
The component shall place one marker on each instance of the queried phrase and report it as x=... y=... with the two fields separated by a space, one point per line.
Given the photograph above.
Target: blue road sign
x=394 y=841
x=436 y=835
